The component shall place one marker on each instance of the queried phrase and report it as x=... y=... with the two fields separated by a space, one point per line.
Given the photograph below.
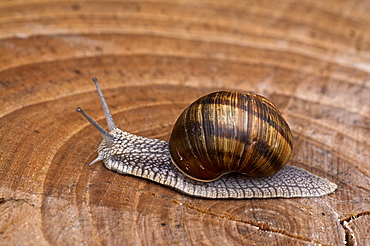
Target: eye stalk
x=108 y=115
x=106 y=135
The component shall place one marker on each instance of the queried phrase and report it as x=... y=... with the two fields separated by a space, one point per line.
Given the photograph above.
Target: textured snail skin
x=149 y=158
x=228 y=131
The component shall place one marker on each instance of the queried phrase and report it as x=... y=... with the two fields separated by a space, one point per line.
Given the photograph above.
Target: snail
x=224 y=145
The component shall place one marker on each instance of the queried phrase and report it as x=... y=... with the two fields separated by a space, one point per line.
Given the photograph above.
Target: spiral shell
x=227 y=131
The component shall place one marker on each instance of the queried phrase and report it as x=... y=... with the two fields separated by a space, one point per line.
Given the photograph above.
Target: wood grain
x=152 y=59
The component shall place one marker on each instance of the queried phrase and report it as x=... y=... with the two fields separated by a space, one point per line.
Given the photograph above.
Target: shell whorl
x=228 y=131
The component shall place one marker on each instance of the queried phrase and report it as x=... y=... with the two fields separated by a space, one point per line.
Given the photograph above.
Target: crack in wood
x=353 y=216
x=20 y=200
x=350 y=238
x=349 y=234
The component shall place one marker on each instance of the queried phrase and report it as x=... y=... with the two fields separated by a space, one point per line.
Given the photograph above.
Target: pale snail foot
x=287 y=183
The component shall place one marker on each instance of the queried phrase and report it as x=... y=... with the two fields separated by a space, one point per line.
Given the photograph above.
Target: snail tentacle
x=108 y=115
x=106 y=135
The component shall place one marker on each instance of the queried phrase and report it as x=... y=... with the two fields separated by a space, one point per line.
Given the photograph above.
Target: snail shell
x=209 y=135
x=228 y=131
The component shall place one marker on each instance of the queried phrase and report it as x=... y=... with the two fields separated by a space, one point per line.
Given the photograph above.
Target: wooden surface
x=312 y=58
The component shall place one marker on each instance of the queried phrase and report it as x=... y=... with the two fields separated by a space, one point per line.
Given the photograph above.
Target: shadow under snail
x=224 y=145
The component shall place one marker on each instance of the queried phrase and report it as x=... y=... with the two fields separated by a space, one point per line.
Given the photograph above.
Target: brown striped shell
x=228 y=131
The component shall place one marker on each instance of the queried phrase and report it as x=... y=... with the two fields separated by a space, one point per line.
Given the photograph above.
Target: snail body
x=210 y=155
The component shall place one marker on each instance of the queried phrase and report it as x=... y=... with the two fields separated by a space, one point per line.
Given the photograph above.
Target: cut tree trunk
x=311 y=58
